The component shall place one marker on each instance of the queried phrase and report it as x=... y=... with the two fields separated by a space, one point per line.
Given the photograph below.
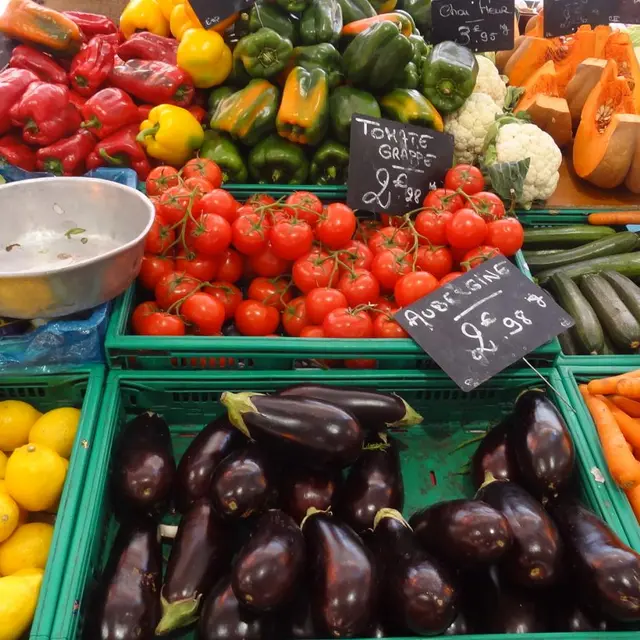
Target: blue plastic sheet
x=65 y=341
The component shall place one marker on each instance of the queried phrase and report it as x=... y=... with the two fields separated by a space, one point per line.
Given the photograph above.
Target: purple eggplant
x=567 y=615
x=267 y=572
x=199 y=557
x=604 y=570
x=214 y=443
x=374 y=410
x=341 y=575
x=536 y=557
x=418 y=592
x=128 y=600
x=144 y=469
x=374 y=482
x=459 y=627
x=492 y=457
x=305 y=488
x=541 y=445
x=242 y=484
x=378 y=630
x=317 y=434
x=222 y=616
x=465 y=533
x=300 y=625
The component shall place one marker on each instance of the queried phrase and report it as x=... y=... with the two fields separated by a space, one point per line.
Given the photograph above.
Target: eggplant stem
x=176 y=615
x=311 y=511
x=237 y=404
x=410 y=418
x=488 y=479
x=389 y=513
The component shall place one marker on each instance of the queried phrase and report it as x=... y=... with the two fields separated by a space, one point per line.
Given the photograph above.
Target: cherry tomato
x=437 y=261
x=489 y=205
x=347 y=323
x=174 y=204
x=295 y=317
x=384 y=326
x=291 y=239
x=360 y=363
x=432 y=227
x=253 y=318
x=199 y=186
x=273 y=292
x=506 y=234
x=365 y=228
x=160 y=237
x=356 y=255
x=304 y=206
x=153 y=269
x=312 y=332
x=384 y=305
x=260 y=200
x=413 y=286
x=391 y=221
x=321 y=300
x=250 y=234
x=220 y=202
x=466 y=229
x=389 y=266
x=465 y=177
x=477 y=256
x=173 y=287
x=458 y=255
x=205 y=312
x=316 y=269
x=444 y=200
x=231 y=266
x=209 y=235
x=228 y=294
x=162 y=324
x=359 y=287
x=268 y=264
x=389 y=238
x=202 y=268
x=203 y=168
x=450 y=276
x=337 y=225
x=160 y=179
x=141 y=313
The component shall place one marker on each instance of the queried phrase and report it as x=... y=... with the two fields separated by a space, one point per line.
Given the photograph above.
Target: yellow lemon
x=18 y=600
x=9 y=516
x=3 y=486
x=27 y=548
x=3 y=464
x=16 y=420
x=35 y=477
x=57 y=430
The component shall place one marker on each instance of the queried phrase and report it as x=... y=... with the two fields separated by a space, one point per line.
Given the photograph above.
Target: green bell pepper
x=275 y=160
x=353 y=10
x=377 y=55
x=321 y=22
x=216 y=96
x=384 y=6
x=271 y=16
x=264 y=53
x=420 y=11
x=293 y=6
x=420 y=50
x=411 y=107
x=409 y=78
x=320 y=56
x=224 y=152
x=449 y=76
x=330 y=164
x=344 y=102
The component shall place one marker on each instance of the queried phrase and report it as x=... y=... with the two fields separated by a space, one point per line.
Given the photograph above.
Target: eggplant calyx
x=410 y=418
x=386 y=512
x=312 y=511
x=237 y=404
x=176 y=615
x=488 y=479
x=536 y=389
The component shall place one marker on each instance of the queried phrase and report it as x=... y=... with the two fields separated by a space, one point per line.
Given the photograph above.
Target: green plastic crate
x=81 y=388
x=612 y=496
x=433 y=458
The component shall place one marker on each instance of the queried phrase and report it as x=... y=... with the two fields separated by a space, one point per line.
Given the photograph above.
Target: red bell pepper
x=198 y=112
x=149 y=46
x=92 y=66
x=143 y=112
x=45 y=67
x=76 y=100
x=92 y=24
x=14 y=151
x=153 y=82
x=121 y=149
x=107 y=111
x=67 y=156
x=112 y=38
x=13 y=84
x=45 y=114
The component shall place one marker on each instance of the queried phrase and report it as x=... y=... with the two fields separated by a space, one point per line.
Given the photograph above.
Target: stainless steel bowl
x=68 y=244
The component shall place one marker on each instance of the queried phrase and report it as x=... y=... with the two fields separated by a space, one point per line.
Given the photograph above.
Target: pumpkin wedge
x=632 y=181
x=620 y=48
x=502 y=57
x=570 y=51
x=602 y=31
x=527 y=58
x=535 y=26
x=586 y=77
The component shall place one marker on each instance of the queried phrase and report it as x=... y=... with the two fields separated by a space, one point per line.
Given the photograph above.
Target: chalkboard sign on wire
x=562 y=17
x=483 y=321
x=212 y=12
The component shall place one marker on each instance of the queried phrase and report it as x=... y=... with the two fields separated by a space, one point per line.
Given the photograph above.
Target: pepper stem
x=92 y=123
x=118 y=162
x=446 y=87
x=150 y=132
x=276 y=175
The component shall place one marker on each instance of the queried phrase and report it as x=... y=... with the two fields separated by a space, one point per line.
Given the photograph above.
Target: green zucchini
x=542 y=252
x=611 y=245
x=587 y=331
x=628 y=264
x=616 y=319
x=568 y=343
x=629 y=292
x=561 y=237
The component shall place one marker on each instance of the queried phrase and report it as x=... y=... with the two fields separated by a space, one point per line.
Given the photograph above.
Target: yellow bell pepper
x=205 y=56
x=219 y=27
x=171 y=134
x=166 y=6
x=143 y=15
x=180 y=22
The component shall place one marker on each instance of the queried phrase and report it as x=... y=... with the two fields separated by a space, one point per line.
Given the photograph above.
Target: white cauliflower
x=489 y=81
x=469 y=126
x=517 y=141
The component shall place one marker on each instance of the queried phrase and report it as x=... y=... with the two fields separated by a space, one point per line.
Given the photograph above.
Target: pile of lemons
x=34 y=457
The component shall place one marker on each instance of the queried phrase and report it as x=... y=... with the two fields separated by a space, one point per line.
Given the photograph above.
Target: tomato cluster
x=300 y=268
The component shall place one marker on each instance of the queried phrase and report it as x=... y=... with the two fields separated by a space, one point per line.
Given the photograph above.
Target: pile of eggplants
x=291 y=527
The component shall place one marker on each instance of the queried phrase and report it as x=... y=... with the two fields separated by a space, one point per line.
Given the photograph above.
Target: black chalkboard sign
x=393 y=166
x=211 y=12
x=483 y=321
x=481 y=25
x=627 y=12
x=562 y=17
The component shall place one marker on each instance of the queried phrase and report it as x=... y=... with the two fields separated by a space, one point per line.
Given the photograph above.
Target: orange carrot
x=630 y=407
x=629 y=426
x=634 y=500
x=624 y=468
x=629 y=388
x=614 y=218
x=607 y=386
